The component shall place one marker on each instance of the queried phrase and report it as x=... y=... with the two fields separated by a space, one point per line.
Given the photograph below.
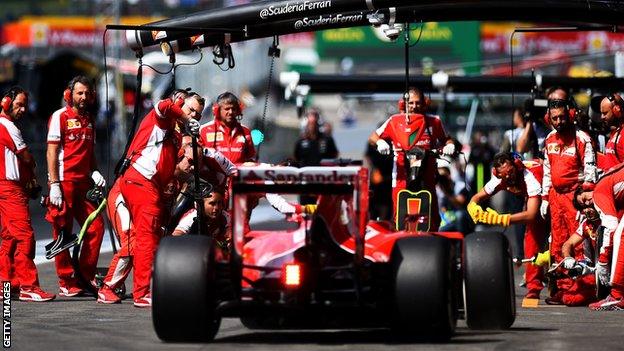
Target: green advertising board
x=443 y=42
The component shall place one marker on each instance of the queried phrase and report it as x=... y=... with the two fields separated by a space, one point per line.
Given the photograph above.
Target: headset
x=516 y=159
x=616 y=105
x=569 y=106
x=7 y=100
x=69 y=91
x=230 y=97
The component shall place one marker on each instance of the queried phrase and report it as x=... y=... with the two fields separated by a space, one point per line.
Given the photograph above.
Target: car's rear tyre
x=488 y=281
x=422 y=294
x=184 y=292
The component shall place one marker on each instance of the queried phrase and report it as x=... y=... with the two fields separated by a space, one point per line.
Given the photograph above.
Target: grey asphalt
x=80 y=323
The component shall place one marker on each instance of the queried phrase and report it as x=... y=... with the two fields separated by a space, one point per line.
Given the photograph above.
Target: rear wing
x=330 y=182
x=305 y=180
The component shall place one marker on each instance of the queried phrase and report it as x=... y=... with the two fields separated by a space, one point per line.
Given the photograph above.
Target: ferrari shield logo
x=413 y=210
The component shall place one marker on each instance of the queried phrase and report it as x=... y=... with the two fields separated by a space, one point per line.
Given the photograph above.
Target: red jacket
x=568 y=162
x=614 y=149
x=154 y=148
x=234 y=143
x=609 y=202
x=404 y=135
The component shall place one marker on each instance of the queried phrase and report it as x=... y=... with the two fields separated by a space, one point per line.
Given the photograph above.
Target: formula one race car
x=333 y=269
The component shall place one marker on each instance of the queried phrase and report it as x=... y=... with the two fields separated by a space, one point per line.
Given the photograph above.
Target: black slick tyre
x=184 y=291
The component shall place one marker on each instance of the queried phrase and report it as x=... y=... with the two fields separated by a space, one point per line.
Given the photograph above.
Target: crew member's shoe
x=556 y=299
x=532 y=294
x=609 y=303
x=107 y=295
x=69 y=292
x=35 y=294
x=145 y=301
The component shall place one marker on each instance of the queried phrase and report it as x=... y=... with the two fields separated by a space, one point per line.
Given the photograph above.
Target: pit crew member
x=117 y=211
x=608 y=199
x=217 y=224
x=152 y=155
x=569 y=163
x=522 y=179
x=583 y=289
x=610 y=108
x=17 y=250
x=225 y=133
x=72 y=171
x=405 y=131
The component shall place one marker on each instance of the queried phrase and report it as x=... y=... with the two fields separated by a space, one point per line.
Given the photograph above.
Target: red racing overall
x=153 y=153
x=75 y=135
x=426 y=132
x=535 y=232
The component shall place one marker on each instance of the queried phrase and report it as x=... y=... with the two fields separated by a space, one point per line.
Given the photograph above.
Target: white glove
x=448 y=149
x=192 y=127
x=98 y=179
x=544 y=208
x=602 y=272
x=56 y=196
x=569 y=262
x=383 y=147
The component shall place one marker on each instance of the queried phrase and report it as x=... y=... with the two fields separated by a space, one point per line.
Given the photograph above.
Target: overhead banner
x=438 y=41
x=49 y=31
x=496 y=40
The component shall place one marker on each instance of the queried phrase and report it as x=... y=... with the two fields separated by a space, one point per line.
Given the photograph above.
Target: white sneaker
x=35 y=294
x=145 y=301
x=69 y=292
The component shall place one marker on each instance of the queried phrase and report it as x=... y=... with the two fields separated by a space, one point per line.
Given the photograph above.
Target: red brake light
x=292 y=275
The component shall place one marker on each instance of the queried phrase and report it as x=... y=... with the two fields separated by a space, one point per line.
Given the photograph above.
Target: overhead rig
x=303 y=83
x=269 y=18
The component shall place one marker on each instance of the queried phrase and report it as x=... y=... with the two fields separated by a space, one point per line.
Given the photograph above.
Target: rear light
x=292 y=275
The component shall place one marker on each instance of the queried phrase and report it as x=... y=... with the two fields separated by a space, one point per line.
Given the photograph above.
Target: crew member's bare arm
x=531 y=212
x=52 y=158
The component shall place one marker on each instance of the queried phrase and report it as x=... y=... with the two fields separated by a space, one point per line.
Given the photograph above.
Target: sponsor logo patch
x=210 y=136
x=73 y=124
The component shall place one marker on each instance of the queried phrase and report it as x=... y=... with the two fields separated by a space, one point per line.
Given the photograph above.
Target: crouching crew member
x=583 y=289
x=522 y=179
x=608 y=199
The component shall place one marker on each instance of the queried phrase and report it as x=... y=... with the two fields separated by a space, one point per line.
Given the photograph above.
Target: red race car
x=334 y=268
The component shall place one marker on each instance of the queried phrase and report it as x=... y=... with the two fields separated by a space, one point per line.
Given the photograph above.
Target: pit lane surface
x=80 y=323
